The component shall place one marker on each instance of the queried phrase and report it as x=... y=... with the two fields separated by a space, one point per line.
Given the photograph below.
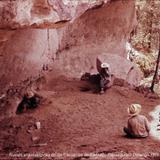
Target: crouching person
x=138 y=125
x=105 y=77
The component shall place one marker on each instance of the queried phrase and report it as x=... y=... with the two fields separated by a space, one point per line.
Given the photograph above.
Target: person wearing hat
x=105 y=77
x=138 y=125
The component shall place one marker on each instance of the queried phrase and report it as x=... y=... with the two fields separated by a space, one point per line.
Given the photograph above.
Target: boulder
x=121 y=68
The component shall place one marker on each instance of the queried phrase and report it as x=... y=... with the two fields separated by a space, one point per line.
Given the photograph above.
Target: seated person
x=138 y=125
x=105 y=77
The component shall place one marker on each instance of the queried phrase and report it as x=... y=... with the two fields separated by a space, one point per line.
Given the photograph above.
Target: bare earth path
x=75 y=122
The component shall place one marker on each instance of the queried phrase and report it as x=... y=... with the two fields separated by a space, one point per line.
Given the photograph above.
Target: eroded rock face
x=73 y=49
x=42 y=13
x=101 y=30
x=25 y=54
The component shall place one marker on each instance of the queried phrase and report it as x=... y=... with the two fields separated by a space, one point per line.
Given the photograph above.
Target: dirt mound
x=75 y=122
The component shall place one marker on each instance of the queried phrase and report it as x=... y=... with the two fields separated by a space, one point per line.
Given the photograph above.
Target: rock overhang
x=42 y=14
x=102 y=26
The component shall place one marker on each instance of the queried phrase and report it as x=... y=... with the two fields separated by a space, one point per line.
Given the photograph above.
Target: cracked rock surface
x=42 y=13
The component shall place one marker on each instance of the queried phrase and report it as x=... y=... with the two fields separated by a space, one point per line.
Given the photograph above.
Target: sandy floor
x=78 y=125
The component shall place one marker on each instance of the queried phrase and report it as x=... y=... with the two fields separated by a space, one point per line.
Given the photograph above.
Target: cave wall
x=17 y=14
x=25 y=54
x=72 y=50
x=103 y=29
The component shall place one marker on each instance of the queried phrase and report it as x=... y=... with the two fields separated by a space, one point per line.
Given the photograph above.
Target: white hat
x=134 y=109
x=105 y=65
x=29 y=93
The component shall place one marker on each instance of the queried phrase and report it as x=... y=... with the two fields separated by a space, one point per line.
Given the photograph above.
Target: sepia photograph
x=79 y=79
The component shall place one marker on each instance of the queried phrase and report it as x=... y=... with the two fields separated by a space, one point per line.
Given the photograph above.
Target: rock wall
x=42 y=13
x=25 y=54
x=104 y=26
x=103 y=29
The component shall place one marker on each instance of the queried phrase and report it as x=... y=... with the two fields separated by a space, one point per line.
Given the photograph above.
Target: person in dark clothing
x=30 y=101
x=105 y=77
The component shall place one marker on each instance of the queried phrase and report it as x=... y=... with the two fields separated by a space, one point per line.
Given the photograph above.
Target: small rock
x=38 y=125
x=2 y=96
x=35 y=138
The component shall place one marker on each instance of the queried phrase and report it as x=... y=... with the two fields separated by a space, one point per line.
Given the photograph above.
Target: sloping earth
x=78 y=125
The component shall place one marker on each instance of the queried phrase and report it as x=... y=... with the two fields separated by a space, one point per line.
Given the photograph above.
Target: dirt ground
x=78 y=125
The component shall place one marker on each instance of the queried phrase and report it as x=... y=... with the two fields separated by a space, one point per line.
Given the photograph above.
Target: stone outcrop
x=25 y=55
x=84 y=30
x=101 y=30
x=42 y=13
